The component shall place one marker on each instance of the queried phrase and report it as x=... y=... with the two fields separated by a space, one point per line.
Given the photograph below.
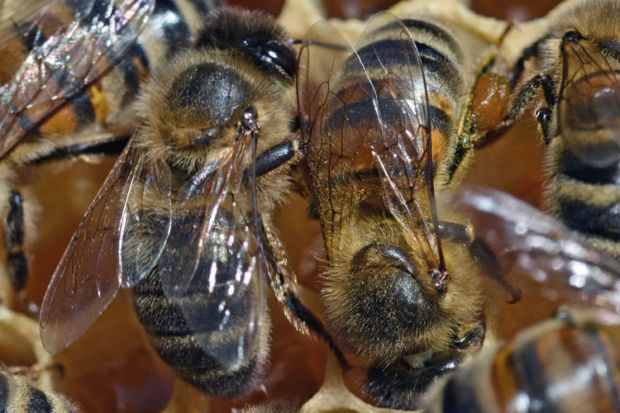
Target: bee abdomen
x=459 y=397
x=441 y=61
x=565 y=370
x=544 y=370
x=584 y=197
x=17 y=395
x=176 y=343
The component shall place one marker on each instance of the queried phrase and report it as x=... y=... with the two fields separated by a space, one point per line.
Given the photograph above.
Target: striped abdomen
x=557 y=370
x=210 y=290
x=18 y=395
x=583 y=158
x=352 y=111
x=103 y=105
x=584 y=197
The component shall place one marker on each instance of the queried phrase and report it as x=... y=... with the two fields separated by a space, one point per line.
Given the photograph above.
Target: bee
x=382 y=125
x=575 y=64
x=559 y=364
x=184 y=218
x=18 y=394
x=70 y=74
x=568 y=363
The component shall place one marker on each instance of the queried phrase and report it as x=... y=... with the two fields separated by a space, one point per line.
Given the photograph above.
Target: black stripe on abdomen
x=459 y=396
x=530 y=372
x=83 y=109
x=416 y=25
x=127 y=66
x=581 y=216
x=394 y=53
x=585 y=198
x=357 y=115
x=176 y=33
x=38 y=402
x=575 y=169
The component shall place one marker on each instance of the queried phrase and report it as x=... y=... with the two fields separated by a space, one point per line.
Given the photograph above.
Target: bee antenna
x=295 y=40
x=327 y=45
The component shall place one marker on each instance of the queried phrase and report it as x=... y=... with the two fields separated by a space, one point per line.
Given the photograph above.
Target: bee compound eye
x=283 y=57
x=271 y=54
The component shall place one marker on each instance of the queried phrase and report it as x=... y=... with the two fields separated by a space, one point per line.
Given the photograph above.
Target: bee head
x=380 y=300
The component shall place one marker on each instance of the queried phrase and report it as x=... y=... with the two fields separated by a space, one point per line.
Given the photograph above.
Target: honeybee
x=575 y=64
x=70 y=73
x=567 y=364
x=562 y=364
x=380 y=124
x=184 y=218
x=18 y=394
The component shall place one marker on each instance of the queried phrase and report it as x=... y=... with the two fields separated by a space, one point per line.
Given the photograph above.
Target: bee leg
x=521 y=102
x=454 y=232
x=473 y=337
x=583 y=318
x=279 y=272
x=110 y=145
x=17 y=262
x=401 y=386
x=544 y=114
x=286 y=152
x=481 y=251
x=529 y=91
x=282 y=282
x=572 y=316
x=14 y=224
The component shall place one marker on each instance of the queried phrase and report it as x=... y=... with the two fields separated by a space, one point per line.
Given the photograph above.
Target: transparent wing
x=529 y=243
x=98 y=260
x=589 y=104
x=401 y=147
x=320 y=70
x=213 y=268
x=365 y=121
x=12 y=12
x=71 y=44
